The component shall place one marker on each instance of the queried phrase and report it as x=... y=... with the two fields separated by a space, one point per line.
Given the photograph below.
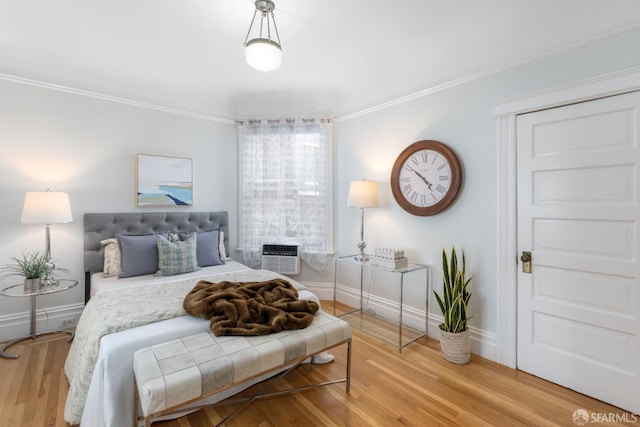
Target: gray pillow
x=207 y=247
x=139 y=253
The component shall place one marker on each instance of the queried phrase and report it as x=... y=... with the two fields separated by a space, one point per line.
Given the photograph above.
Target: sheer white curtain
x=285 y=188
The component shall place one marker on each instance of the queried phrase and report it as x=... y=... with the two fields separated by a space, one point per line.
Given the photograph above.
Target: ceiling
x=340 y=56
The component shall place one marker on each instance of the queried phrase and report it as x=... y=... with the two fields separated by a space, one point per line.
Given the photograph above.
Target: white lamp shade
x=263 y=54
x=363 y=194
x=46 y=207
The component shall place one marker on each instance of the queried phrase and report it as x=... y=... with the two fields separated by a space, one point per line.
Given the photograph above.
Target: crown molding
x=110 y=98
x=487 y=72
x=604 y=85
x=337 y=119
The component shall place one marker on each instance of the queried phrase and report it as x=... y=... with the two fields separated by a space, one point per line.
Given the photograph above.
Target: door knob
x=526 y=262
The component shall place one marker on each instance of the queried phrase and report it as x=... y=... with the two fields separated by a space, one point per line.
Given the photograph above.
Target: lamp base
x=49 y=281
x=362 y=257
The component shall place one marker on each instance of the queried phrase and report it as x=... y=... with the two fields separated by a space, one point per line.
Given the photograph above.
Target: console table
x=19 y=291
x=360 y=319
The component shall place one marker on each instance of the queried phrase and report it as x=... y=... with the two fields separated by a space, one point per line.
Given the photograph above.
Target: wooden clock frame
x=456 y=177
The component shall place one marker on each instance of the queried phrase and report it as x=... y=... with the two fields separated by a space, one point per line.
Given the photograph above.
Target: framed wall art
x=164 y=181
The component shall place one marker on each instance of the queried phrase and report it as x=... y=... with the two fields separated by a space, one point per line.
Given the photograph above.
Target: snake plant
x=455 y=296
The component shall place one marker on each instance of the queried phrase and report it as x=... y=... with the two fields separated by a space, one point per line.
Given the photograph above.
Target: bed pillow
x=176 y=257
x=111 y=257
x=207 y=247
x=138 y=254
x=223 y=250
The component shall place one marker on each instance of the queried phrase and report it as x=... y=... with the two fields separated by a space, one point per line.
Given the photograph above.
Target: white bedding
x=100 y=283
x=109 y=399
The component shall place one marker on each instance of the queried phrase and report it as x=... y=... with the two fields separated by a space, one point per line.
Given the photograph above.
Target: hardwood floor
x=414 y=388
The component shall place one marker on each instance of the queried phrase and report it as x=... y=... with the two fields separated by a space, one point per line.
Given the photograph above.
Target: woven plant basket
x=456 y=347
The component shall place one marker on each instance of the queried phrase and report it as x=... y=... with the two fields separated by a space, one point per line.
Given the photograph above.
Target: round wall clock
x=426 y=178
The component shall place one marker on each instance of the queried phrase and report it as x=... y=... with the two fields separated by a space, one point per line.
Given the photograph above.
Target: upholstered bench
x=171 y=375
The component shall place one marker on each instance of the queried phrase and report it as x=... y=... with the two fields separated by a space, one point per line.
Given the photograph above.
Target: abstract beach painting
x=164 y=181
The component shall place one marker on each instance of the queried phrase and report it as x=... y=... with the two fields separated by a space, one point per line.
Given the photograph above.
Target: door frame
x=507 y=226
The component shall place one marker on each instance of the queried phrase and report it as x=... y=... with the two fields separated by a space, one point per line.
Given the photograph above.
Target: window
x=285 y=188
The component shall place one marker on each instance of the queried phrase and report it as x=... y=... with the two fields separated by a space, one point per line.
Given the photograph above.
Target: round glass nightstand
x=20 y=291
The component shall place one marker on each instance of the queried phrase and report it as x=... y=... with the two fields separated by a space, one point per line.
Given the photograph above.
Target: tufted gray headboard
x=100 y=226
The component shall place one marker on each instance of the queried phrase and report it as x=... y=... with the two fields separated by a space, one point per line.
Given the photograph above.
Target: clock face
x=426 y=178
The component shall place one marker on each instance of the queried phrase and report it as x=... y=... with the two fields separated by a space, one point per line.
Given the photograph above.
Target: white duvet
x=100 y=362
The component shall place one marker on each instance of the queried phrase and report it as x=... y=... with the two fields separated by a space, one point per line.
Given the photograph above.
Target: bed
x=101 y=386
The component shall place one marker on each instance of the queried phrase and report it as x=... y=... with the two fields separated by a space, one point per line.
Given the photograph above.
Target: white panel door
x=578 y=215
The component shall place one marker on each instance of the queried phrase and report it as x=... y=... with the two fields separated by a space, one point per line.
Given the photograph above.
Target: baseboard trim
x=17 y=325
x=483 y=343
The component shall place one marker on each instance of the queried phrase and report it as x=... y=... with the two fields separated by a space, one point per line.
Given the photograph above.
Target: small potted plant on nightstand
x=33 y=266
x=454 y=333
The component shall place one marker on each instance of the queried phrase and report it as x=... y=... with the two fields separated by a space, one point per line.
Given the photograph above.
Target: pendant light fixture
x=263 y=52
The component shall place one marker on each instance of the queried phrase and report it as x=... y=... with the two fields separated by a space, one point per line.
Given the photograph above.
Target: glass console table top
x=20 y=291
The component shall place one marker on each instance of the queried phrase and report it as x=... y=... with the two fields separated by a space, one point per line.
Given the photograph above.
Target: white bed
x=109 y=397
x=100 y=283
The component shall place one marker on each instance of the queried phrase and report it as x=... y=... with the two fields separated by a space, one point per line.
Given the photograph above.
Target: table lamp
x=362 y=194
x=46 y=207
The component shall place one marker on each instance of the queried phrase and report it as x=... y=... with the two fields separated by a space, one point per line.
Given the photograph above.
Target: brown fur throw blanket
x=249 y=308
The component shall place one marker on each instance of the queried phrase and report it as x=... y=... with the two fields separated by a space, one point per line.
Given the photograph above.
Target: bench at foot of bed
x=174 y=374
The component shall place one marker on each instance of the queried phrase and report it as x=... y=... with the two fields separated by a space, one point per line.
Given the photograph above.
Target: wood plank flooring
x=414 y=388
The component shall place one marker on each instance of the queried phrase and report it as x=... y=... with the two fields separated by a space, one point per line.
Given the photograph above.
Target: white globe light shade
x=263 y=54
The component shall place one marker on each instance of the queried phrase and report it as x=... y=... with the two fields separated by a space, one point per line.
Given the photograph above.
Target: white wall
x=461 y=116
x=87 y=147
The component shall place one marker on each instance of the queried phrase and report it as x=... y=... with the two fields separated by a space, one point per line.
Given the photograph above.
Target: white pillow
x=112 y=266
x=222 y=250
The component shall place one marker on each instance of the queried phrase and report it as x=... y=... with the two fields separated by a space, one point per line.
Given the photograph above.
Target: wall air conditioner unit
x=284 y=259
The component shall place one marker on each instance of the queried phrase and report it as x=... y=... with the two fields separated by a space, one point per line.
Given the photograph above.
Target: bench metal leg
x=261 y=395
x=246 y=401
